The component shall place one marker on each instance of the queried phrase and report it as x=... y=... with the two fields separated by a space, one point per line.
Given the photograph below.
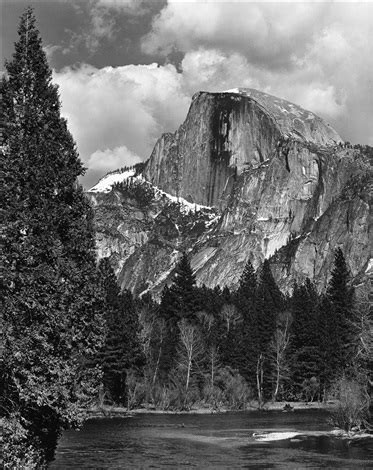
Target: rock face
x=278 y=180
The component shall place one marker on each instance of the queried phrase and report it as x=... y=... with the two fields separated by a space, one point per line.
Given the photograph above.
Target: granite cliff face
x=246 y=176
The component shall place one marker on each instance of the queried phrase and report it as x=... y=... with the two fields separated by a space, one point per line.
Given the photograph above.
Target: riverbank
x=215 y=441
x=117 y=411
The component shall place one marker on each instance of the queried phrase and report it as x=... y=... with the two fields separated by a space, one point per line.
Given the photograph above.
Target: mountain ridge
x=270 y=189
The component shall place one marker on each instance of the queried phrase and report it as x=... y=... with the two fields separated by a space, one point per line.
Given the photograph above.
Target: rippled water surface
x=212 y=441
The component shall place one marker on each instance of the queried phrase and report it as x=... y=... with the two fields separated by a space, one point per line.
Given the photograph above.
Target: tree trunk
x=277 y=382
x=212 y=372
x=259 y=379
x=188 y=373
x=157 y=365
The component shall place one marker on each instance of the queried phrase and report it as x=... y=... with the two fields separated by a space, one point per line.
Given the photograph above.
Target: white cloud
x=211 y=70
x=317 y=55
x=270 y=34
x=112 y=159
x=129 y=6
x=127 y=106
x=102 y=161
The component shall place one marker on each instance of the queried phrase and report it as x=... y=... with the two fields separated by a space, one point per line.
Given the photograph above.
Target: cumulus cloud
x=120 y=108
x=102 y=161
x=317 y=54
x=266 y=33
x=134 y=7
x=212 y=70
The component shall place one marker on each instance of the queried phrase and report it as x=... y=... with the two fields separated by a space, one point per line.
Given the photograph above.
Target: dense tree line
x=197 y=342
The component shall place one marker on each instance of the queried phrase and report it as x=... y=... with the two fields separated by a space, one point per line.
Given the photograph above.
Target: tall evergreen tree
x=269 y=303
x=304 y=340
x=336 y=322
x=183 y=289
x=52 y=310
x=179 y=301
x=341 y=295
x=245 y=342
x=247 y=283
x=121 y=350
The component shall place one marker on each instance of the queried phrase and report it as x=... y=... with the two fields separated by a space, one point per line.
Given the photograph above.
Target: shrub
x=213 y=396
x=352 y=412
x=310 y=388
x=235 y=391
x=136 y=389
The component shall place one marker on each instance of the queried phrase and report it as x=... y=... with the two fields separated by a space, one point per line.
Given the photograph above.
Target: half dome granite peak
x=262 y=178
x=293 y=120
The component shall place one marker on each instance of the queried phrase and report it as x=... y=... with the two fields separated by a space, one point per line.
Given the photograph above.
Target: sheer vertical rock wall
x=280 y=180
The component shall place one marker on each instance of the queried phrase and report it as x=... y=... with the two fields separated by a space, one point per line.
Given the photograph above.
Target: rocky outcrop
x=279 y=182
x=225 y=134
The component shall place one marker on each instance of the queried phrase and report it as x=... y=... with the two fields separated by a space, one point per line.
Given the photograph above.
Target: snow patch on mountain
x=105 y=185
x=107 y=182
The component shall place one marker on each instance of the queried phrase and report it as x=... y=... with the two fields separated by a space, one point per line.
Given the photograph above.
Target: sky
x=127 y=69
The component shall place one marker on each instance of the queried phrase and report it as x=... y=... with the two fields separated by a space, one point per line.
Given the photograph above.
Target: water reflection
x=211 y=441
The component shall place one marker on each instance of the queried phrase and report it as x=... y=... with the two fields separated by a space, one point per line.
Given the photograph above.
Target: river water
x=234 y=440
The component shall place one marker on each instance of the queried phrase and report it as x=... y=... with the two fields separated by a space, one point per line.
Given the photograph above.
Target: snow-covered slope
x=105 y=185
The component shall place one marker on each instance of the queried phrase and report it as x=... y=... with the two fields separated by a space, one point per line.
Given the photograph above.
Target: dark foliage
x=121 y=350
x=304 y=350
x=52 y=311
x=132 y=188
x=336 y=322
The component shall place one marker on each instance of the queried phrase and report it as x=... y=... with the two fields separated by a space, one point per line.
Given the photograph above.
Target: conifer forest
x=73 y=341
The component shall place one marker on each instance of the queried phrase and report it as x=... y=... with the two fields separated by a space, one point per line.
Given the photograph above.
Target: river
x=233 y=440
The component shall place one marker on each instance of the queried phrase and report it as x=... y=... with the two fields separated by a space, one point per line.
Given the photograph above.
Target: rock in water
x=246 y=176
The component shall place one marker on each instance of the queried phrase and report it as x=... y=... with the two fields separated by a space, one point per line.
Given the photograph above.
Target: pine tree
x=183 y=290
x=341 y=295
x=304 y=341
x=328 y=344
x=121 y=350
x=246 y=333
x=336 y=323
x=247 y=284
x=179 y=301
x=52 y=310
x=268 y=304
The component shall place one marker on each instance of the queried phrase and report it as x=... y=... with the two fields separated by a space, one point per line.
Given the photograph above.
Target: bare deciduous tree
x=161 y=330
x=146 y=321
x=230 y=315
x=214 y=362
x=190 y=349
x=277 y=351
x=206 y=319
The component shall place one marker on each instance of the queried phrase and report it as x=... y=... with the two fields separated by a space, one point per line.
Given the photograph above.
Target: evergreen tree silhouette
x=269 y=302
x=304 y=340
x=52 y=308
x=178 y=301
x=121 y=350
x=336 y=322
x=245 y=342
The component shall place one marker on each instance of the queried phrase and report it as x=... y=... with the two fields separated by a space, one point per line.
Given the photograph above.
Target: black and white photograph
x=186 y=234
